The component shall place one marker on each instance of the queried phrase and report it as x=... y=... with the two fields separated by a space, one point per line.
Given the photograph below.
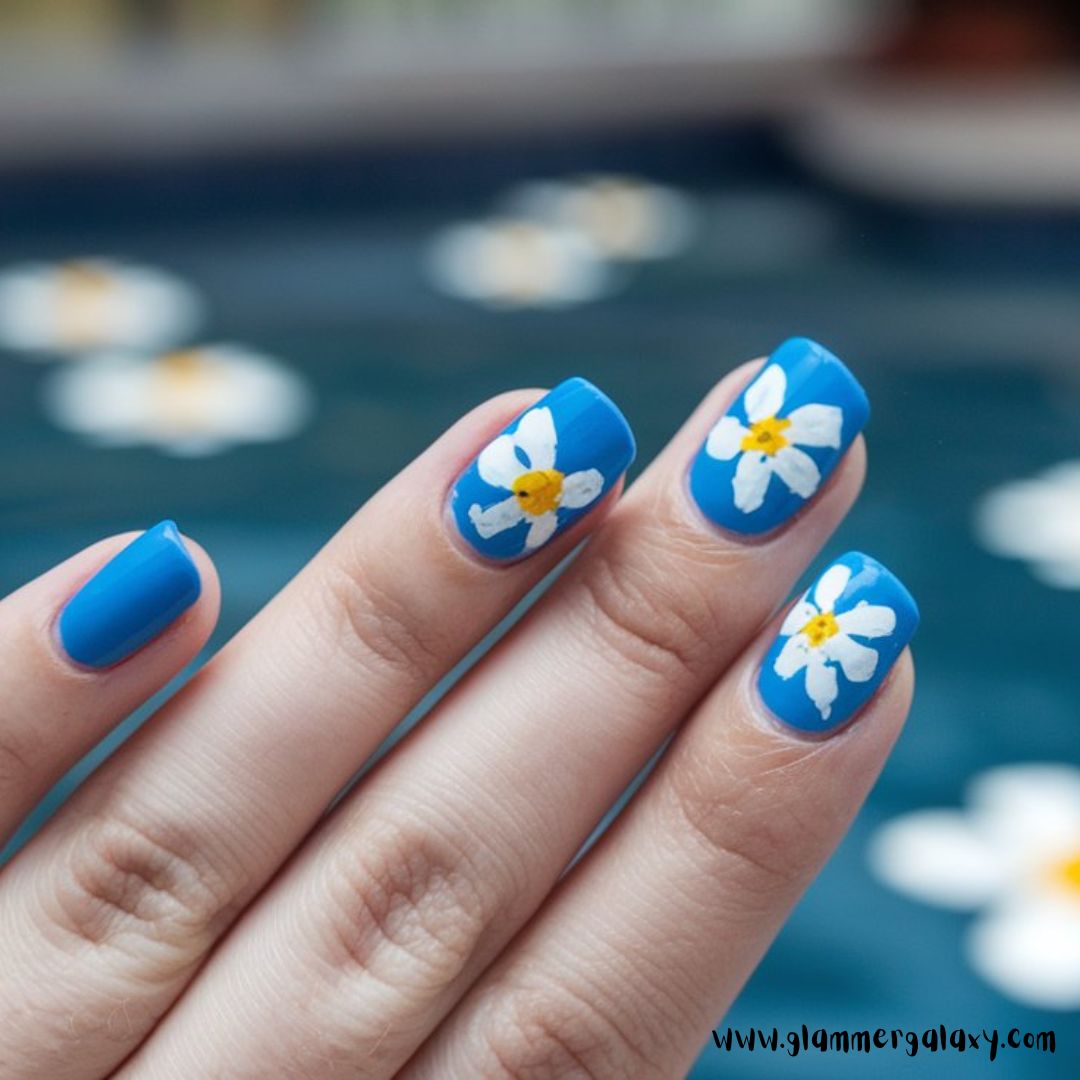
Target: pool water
x=964 y=327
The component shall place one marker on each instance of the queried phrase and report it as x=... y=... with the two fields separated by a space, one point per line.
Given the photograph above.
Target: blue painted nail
x=772 y=450
x=131 y=599
x=837 y=644
x=545 y=471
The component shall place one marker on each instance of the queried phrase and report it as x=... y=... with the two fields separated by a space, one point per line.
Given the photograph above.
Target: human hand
x=191 y=913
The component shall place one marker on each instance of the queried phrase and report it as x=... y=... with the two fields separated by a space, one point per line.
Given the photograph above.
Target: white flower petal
x=581 y=488
x=938 y=857
x=750 y=481
x=1030 y=951
x=725 y=439
x=797 y=470
x=867 y=620
x=1032 y=809
x=765 y=395
x=498 y=463
x=815 y=425
x=821 y=684
x=535 y=434
x=858 y=661
x=793 y=657
x=541 y=529
x=799 y=616
x=496 y=519
x=833 y=582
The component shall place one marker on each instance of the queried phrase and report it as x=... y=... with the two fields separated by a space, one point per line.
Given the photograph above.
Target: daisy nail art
x=779 y=441
x=837 y=644
x=544 y=472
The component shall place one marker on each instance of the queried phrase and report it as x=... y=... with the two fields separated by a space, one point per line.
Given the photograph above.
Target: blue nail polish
x=131 y=599
x=549 y=468
x=837 y=644
x=774 y=448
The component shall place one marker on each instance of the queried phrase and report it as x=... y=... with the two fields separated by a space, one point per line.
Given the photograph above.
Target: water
x=964 y=328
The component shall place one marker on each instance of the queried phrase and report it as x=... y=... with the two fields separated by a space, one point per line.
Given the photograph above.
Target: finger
x=648 y=941
x=87 y=643
x=454 y=841
x=111 y=909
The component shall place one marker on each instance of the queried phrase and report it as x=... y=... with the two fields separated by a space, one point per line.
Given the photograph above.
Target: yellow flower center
x=84 y=289
x=1066 y=874
x=820 y=628
x=765 y=436
x=539 y=491
x=184 y=385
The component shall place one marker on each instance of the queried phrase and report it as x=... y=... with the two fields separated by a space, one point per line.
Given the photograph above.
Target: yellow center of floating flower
x=820 y=628
x=539 y=491
x=1066 y=874
x=185 y=383
x=84 y=289
x=765 y=436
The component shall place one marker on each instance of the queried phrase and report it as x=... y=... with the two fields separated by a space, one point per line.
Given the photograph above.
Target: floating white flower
x=194 y=402
x=770 y=443
x=821 y=637
x=623 y=217
x=1037 y=520
x=524 y=464
x=90 y=304
x=509 y=262
x=1014 y=855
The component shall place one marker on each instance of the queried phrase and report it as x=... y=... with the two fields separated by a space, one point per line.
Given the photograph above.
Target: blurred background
x=255 y=255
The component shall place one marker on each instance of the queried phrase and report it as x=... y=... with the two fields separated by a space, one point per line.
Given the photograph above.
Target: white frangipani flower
x=508 y=262
x=1037 y=520
x=819 y=638
x=623 y=217
x=524 y=464
x=91 y=304
x=771 y=442
x=195 y=402
x=1014 y=855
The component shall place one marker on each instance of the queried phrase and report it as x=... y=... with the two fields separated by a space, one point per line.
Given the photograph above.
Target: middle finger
x=412 y=889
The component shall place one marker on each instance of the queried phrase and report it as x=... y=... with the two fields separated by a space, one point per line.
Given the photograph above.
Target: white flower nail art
x=524 y=464
x=821 y=638
x=1014 y=855
x=770 y=445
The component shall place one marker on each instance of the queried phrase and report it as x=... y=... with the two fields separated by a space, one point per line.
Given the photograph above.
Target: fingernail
x=774 y=448
x=549 y=468
x=837 y=644
x=131 y=599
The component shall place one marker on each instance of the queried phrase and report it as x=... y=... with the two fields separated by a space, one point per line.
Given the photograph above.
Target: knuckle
x=376 y=624
x=645 y=606
x=150 y=882
x=20 y=755
x=550 y=1030
x=734 y=822
x=409 y=905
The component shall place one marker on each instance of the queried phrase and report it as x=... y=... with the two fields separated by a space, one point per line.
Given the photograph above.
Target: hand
x=193 y=912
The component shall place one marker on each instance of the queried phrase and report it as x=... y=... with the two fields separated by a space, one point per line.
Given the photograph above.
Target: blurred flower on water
x=189 y=403
x=513 y=262
x=1014 y=855
x=554 y=243
x=623 y=217
x=87 y=304
x=1037 y=520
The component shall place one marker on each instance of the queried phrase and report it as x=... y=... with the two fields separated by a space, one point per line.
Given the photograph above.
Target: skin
x=425 y=928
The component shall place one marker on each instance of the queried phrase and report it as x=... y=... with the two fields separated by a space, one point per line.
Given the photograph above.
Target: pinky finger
x=646 y=944
x=87 y=643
